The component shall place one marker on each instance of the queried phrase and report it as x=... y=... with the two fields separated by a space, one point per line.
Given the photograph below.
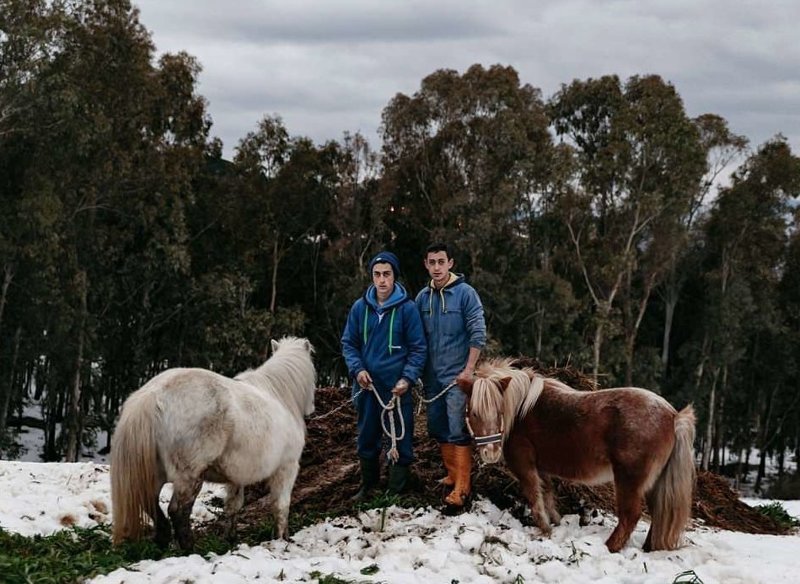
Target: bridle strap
x=486 y=439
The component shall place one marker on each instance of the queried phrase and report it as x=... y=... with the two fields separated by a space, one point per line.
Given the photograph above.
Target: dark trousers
x=370 y=434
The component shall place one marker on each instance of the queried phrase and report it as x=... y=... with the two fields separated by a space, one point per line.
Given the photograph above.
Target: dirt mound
x=719 y=505
x=329 y=475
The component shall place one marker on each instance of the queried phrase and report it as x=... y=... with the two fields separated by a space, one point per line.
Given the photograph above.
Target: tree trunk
x=8 y=276
x=629 y=348
x=274 y=275
x=598 y=341
x=762 y=467
x=539 y=334
x=737 y=481
x=7 y=384
x=709 y=433
x=669 y=315
x=52 y=415
x=73 y=417
x=717 y=456
x=763 y=439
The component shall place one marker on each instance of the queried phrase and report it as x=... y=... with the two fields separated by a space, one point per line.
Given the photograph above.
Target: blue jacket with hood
x=454 y=322
x=388 y=341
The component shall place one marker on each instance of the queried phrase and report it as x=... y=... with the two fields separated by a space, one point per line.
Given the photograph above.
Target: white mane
x=517 y=400
x=289 y=368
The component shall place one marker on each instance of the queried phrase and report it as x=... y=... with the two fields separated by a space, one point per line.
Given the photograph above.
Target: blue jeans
x=370 y=433
x=446 y=416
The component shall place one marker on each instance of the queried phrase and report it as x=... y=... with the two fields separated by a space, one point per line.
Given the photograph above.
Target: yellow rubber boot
x=463 y=468
x=448 y=458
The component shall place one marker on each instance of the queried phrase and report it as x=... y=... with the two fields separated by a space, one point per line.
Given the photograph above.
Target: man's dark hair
x=437 y=247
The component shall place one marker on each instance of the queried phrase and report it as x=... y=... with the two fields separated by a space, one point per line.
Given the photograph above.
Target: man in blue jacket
x=452 y=314
x=385 y=349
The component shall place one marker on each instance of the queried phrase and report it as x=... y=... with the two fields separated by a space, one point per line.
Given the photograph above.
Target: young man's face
x=438 y=265
x=383 y=278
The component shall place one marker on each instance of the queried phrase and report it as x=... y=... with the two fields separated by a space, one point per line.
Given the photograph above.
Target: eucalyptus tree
x=746 y=241
x=788 y=432
x=722 y=148
x=28 y=37
x=354 y=230
x=638 y=160
x=106 y=161
x=462 y=157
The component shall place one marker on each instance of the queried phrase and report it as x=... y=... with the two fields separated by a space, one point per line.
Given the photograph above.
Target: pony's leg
x=163 y=529
x=629 y=510
x=234 y=500
x=550 y=501
x=281 y=484
x=185 y=491
x=648 y=541
x=521 y=459
x=531 y=488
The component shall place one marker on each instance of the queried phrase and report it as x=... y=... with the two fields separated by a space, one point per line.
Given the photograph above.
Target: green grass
x=67 y=556
x=777 y=512
x=73 y=555
x=76 y=554
x=330 y=579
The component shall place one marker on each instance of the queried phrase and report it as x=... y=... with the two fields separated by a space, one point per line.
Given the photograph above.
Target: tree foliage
x=591 y=224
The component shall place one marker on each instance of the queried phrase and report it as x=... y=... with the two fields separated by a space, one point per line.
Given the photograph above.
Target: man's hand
x=363 y=379
x=466 y=375
x=400 y=387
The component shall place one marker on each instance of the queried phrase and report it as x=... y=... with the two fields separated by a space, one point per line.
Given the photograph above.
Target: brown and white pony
x=186 y=426
x=629 y=435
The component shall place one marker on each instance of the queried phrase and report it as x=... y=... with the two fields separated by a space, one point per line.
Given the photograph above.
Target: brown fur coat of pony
x=629 y=435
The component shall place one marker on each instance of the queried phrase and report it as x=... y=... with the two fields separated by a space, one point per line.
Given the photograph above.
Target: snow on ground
x=43 y=497
x=31 y=439
x=402 y=545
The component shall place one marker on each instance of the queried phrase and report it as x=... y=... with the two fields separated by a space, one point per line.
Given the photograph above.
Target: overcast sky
x=330 y=66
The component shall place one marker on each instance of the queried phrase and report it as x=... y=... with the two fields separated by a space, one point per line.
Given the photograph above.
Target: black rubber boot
x=398 y=479
x=370 y=475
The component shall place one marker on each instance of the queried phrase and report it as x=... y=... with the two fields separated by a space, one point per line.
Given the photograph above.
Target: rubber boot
x=370 y=475
x=448 y=454
x=398 y=478
x=463 y=468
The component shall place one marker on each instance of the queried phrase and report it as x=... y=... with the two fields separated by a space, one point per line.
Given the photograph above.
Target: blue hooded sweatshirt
x=454 y=322
x=388 y=341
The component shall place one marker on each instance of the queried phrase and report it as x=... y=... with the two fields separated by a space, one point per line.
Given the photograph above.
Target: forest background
x=603 y=227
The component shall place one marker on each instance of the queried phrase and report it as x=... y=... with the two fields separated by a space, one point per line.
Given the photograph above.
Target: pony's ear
x=466 y=385
x=307 y=345
x=504 y=383
x=274 y=345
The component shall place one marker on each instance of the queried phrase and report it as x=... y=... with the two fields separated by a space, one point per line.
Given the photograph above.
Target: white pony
x=186 y=426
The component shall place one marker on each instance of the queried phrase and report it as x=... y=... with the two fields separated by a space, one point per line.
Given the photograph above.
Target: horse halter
x=486 y=439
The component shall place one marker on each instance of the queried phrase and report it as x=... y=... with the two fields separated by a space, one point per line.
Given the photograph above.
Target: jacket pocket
x=452 y=322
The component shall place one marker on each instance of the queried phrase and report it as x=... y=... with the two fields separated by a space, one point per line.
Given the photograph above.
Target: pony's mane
x=516 y=401
x=288 y=374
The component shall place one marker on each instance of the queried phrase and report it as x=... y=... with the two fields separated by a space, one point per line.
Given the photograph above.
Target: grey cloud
x=330 y=67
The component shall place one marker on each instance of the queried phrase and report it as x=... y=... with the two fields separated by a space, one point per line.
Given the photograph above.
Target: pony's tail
x=670 y=500
x=135 y=477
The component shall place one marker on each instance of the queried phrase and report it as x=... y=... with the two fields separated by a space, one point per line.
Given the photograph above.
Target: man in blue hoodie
x=452 y=314
x=384 y=348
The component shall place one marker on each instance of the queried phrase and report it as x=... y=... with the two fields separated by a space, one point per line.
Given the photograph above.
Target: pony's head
x=296 y=354
x=484 y=415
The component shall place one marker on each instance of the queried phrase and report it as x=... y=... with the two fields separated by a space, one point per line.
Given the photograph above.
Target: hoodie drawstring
x=441 y=295
x=391 y=326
